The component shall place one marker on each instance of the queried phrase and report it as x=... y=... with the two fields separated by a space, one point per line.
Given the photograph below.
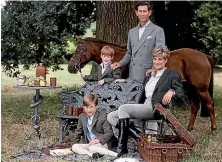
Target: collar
x=144 y=26
x=104 y=65
x=159 y=73
x=90 y=117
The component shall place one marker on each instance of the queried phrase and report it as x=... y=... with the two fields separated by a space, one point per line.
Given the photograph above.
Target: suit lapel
x=85 y=121
x=106 y=71
x=149 y=29
x=99 y=72
x=162 y=78
x=136 y=36
x=95 y=118
x=146 y=79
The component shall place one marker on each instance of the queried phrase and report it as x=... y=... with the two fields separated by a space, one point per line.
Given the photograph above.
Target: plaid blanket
x=43 y=152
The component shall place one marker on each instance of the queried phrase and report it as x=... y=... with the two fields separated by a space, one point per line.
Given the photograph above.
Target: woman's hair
x=90 y=99
x=161 y=51
x=143 y=3
x=107 y=50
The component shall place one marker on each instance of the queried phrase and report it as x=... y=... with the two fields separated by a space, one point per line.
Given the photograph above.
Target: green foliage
x=37 y=31
x=208 y=22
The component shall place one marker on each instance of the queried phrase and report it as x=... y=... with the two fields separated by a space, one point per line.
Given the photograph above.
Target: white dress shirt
x=151 y=84
x=89 y=133
x=142 y=29
x=104 y=66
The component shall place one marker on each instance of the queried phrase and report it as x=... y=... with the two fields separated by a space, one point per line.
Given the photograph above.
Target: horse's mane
x=102 y=41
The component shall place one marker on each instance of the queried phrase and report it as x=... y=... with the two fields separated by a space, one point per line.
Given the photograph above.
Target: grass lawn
x=63 y=76
x=16 y=119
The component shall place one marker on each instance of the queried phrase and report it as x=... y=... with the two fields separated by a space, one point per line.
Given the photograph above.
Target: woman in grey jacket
x=160 y=87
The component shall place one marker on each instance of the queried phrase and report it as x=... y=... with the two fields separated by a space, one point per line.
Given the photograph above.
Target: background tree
x=174 y=17
x=114 y=20
x=176 y=21
x=34 y=32
x=38 y=31
x=208 y=22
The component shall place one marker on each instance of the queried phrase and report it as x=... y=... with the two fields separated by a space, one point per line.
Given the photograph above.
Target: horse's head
x=81 y=56
x=89 y=49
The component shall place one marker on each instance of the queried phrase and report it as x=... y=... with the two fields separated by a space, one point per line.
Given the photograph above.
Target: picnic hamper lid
x=178 y=128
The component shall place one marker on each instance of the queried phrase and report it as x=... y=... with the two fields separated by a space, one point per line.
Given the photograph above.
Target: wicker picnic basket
x=166 y=148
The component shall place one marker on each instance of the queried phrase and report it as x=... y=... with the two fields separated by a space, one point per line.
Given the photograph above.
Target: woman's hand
x=167 y=97
x=94 y=141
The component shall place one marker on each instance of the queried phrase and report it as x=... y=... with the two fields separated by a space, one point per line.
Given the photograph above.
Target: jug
x=21 y=80
x=41 y=71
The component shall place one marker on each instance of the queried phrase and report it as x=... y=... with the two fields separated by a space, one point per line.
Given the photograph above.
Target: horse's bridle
x=82 y=53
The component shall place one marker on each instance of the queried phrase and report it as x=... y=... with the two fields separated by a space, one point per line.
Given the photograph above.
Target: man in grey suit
x=141 y=41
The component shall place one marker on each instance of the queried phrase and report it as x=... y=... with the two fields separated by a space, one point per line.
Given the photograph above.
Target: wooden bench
x=110 y=96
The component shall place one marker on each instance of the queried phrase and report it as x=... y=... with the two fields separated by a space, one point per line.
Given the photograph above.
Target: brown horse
x=195 y=67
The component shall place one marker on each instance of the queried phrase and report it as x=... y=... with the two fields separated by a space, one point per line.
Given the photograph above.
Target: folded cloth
x=120 y=81
x=126 y=159
x=60 y=152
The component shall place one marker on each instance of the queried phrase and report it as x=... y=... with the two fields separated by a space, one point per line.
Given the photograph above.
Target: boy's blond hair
x=161 y=51
x=90 y=99
x=107 y=50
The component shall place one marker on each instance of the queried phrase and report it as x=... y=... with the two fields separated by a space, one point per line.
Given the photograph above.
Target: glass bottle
x=70 y=110
x=149 y=139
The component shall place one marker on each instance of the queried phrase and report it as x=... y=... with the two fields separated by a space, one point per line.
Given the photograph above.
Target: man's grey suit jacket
x=139 y=52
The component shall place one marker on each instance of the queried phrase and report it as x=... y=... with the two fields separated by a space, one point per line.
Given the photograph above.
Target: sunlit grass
x=17 y=123
x=64 y=78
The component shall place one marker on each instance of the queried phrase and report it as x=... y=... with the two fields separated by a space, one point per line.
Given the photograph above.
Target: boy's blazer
x=109 y=75
x=100 y=128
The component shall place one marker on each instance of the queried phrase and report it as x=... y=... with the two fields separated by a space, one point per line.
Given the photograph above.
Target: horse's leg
x=193 y=111
x=210 y=105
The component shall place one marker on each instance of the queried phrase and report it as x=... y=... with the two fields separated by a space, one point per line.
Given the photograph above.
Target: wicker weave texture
x=162 y=152
x=177 y=127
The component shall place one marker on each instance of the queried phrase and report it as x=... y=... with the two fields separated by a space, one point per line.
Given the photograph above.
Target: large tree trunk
x=113 y=22
x=114 y=19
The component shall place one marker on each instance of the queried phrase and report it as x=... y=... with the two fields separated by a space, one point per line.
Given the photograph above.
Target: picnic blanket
x=44 y=152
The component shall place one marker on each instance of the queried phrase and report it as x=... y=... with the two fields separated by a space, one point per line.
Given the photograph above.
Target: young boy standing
x=105 y=73
x=95 y=129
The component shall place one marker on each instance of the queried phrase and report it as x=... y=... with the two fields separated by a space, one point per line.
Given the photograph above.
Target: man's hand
x=94 y=141
x=167 y=97
x=101 y=82
x=115 y=65
x=149 y=71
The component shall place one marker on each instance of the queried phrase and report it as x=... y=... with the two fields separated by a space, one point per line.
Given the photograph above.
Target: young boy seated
x=105 y=73
x=94 y=128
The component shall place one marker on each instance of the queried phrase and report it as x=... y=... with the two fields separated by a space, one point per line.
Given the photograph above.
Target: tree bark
x=114 y=20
